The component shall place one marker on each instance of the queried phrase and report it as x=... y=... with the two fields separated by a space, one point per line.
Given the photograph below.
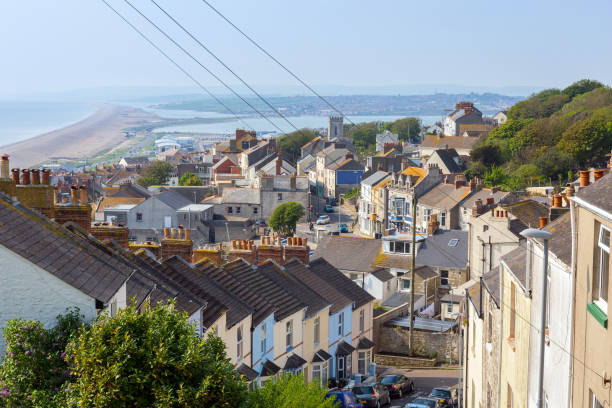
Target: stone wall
x=403 y=361
x=396 y=340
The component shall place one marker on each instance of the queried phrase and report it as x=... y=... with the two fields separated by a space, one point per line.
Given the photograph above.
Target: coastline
x=101 y=130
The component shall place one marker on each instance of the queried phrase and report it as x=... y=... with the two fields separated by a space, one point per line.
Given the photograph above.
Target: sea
x=26 y=119
x=22 y=120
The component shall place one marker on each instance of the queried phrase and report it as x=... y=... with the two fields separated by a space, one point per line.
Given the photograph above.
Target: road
x=424 y=381
x=344 y=214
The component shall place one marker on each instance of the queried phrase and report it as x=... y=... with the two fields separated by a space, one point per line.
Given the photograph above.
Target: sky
x=62 y=45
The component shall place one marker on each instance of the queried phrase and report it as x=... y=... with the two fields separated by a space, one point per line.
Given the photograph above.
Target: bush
x=285 y=217
x=189 y=179
x=289 y=391
x=156 y=174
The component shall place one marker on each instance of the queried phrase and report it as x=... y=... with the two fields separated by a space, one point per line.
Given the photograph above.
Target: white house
x=385 y=137
x=380 y=283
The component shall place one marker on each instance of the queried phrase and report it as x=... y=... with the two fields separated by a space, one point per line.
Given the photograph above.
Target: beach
x=101 y=130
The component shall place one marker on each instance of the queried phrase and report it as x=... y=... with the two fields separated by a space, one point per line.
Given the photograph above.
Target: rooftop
x=337 y=279
x=598 y=193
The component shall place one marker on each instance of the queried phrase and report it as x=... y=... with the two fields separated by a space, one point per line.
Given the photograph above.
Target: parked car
x=398 y=385
x=329 y=209
x=423 y=402
x=343 y=227
x=333 y=233
x=447 y=397
x=323 y=219
x=332 y=201
x=345 y=398
x=372 y=395
x=260 y=223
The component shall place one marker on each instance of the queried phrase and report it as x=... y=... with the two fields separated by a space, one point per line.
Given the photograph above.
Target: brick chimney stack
x=279 y=164
x=297 y=247
x=244 y=249
x=433 y=224
x=46 y=177
x=4 y=166
x=119 y=233
x=180 y=245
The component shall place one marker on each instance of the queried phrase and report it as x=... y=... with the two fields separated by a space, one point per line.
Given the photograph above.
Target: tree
x=486 y=154
x=496 y=177
x=407 y=129
x=581 y=87
x=151 y=358
x=189 y=179
x=363 y=135
x=34 y=372
x=155 y=174
x=285 y=217
x=292 y=143
x=589 y=138
x=289 y=391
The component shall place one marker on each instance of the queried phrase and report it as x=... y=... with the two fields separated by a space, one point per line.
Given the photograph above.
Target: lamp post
x=545 y=236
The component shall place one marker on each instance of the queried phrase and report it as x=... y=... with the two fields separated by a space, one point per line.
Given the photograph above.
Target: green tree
x=540 y=105
x=407 y=129
x=589 y=138
x=34 y=372
x=581 y=87
x=291 y=143
x=151 y=358
x=155 y=174
x=285 y=217
x=189 y=179
x=486 y=154
x=509 y=129
x=363 y=135
x=495 y=177
x=289 y=391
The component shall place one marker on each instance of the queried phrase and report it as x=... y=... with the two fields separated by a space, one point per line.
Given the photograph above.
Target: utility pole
x=413 y=260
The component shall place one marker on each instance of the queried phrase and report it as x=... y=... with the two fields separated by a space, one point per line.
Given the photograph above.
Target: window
x=512 y=310
x=601 y=270
x=289 y=334
x=340 y=324
x=444 y=278
x=237 y=210
x=363 y=361
x=280 y=196
x=184 y=216
x=449 y=308
x=361 y=321
x=405 y=284
x=263 y=339
x=239 y=343
x=138 y=216
x=230 y=210
x=443 y=219
x=427 y=214
x=320 y=371
x=316 y=330
x=255 y=210
x=510 y=402
x=485 y=228
x=453 y=242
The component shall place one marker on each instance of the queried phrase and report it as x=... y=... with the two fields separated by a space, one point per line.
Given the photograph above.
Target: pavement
x=424 y=381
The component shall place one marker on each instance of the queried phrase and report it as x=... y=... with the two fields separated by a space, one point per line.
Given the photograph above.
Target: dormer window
x=400 y=247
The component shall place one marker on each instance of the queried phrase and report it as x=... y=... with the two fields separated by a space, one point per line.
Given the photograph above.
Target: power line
x=277 y=61
x=224 y=64
x=176 y=64
x=201 y=65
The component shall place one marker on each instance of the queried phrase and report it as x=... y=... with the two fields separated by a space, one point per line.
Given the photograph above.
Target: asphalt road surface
x=424 y=381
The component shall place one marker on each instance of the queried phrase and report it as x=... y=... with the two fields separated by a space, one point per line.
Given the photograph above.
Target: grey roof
x=173 y=199
x=294 y=361
x=343 y=284
x=483 y=195
x=348 y=253
x=365 y=343
x=492 y=283
x=450 y=298
x=269 y=368
x=320 y=356
x=247 y=372
x=375 y=178
x=421 y=323
x=517 y=263
x=450 y=159
x=560 y=243
x=240 y=195
x=598 y=193
x=382 y=274
x=400 y=298
x=344 y=349
x=136 y=159
x=436 y=252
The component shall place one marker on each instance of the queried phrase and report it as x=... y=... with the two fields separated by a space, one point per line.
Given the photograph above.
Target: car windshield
x=391 y=379
x=362 y=390
x=437 y=392
x=426 y=402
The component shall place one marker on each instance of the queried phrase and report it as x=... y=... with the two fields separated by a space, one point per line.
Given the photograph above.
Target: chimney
x=74 y=195
x=558 y=201
x=25 y=177
x=279 y=164
x=35 y=176
x=459 y=184
x=477 y=208
x=83 y=195
x=46 y=177
x=490 y=200
x=181 y=232
x=584 y=178
x=570 y=190
x=598 y=174
x=543 y=221
x=473 y=185
x=15 y=174
x=348 y=155
x=172 y=233
x=4 y=166
x=166 y=233
x=433 y=224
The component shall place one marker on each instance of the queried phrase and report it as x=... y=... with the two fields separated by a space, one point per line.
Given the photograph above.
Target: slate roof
x=348 y=164
x=516 y=262
x=375 y=178
x=344 y=349
x=173 y=199
x=344 y=285
x=269 y=368
x=130 y=190
x=400 y=298
x=483 y=195
x=314 y=302
x=382 y=274
x=450 y=157
x=425 y=272
x=321 y=356
x=189 y=277
x=285 y=302
x=261 y=307
x=348 y=253
x=436 y=252
x=492 y=284
x=598 y=193
x=365 y=343
x=136 y=160
x=452 y=142
x=247 y=372
x=240 y=195
x=294 y=361
x=52 y=248
x=528 y=211
x=560 y=243
x=331 y=295
x=444 y=196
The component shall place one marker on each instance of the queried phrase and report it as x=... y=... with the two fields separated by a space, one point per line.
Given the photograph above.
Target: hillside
x=548 y=137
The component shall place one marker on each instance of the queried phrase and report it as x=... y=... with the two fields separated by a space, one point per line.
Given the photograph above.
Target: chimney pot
x=15 y=174
x=584 y=178
x=173 y=233
x=543 y=221
x=74 y=195
x=598 y=174
x=46 y=176
x=187 y=234
x=25 y=177
x=83 y=195
x=558 y=201
x=35 y=176
x=166 y=233
x=570 y=190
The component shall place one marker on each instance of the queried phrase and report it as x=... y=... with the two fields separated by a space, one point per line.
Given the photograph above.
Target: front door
x=341 y=369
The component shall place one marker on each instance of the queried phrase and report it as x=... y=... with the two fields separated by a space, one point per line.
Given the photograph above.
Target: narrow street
x=424 y=381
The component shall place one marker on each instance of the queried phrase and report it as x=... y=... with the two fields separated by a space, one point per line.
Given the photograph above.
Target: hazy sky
x=54 y=45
